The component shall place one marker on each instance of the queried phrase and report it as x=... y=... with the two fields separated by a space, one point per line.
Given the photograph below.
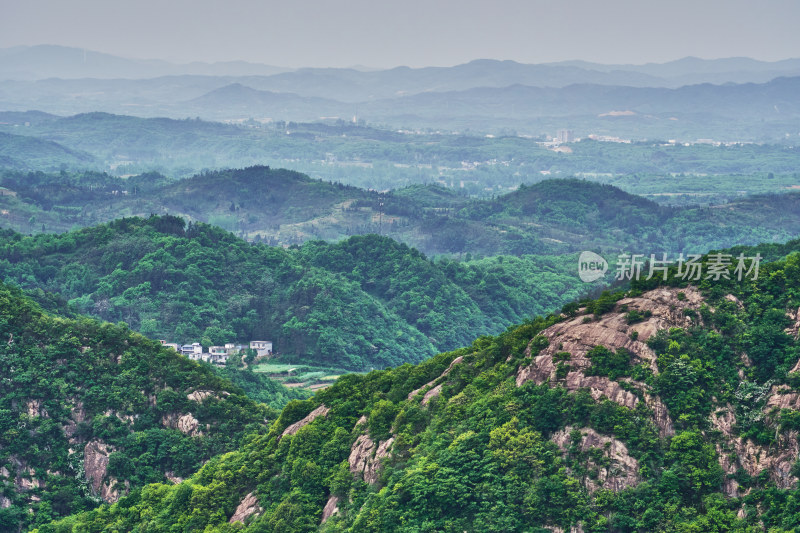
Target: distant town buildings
x=565 y=136
x=218 y=355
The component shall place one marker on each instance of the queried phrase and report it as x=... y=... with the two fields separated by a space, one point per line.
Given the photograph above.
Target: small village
x=218 y=355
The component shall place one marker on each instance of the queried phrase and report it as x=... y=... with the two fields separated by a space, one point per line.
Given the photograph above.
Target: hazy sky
x=408 y=32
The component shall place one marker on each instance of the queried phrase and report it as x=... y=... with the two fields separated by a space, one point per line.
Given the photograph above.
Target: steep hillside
x=666 y=407
x=90 y=411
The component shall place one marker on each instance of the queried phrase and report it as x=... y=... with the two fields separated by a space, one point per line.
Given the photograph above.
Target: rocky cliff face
x=664 y=309
x=95 y=462
x=365 y=457
x=616 y=472
x=736 y=453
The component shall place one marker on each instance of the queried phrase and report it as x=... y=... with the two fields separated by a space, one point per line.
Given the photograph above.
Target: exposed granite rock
x=247 y=507
x=362 y=420
x=187 y=424
x=613 y=331
x=734 y=299
x=620 y=473
x=111 y=492
x=783 y=397
x=431 y=394
x=201 y=395
x=95 y=461
x=794 y=329
x=413 y=393
x=34 y=408
x=27 y=480
x=365 y=457
x=330 y=509
x=294 y=428
x=577 y=528
x=736 y=453
x=170 y=475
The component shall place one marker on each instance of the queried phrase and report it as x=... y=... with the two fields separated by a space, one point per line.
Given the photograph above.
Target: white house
x=261 y=347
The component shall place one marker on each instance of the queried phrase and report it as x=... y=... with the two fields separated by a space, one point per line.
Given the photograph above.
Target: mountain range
x=484 y=95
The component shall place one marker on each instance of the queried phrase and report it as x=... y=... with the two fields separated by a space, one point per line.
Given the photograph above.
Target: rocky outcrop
x=248 y=507
x=95 y=462
x=413 y=393
x=735 y=453
x=664 y=309
x=201 y=395
x=794 y=329
x=577 y=528
x=34 y=408
x=27 y=480
x=331 y=508
x=187 y=424
x=783 y=397
x=619 y=472
x=77 y=416
x=170 y=475
x=365 y=457
x=431 y=394
x=294 y=428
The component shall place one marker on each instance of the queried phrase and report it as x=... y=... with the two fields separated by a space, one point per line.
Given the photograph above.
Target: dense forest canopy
x=683 y=419
x=364 y=302
x=282 y=207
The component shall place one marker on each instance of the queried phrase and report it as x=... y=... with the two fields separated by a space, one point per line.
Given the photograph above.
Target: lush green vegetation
x=483 y=454
x=365 y=302
x=73 y=385
x=382 y=158
x=284 y=207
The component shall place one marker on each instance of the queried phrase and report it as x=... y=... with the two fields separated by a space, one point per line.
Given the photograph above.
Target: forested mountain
x=90 y=411
x=31 y=153
x=282 y=207
x=365 y=302
x=669 y=406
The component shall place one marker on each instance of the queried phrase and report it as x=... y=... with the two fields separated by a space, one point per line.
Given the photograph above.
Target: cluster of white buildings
x=218 y=355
